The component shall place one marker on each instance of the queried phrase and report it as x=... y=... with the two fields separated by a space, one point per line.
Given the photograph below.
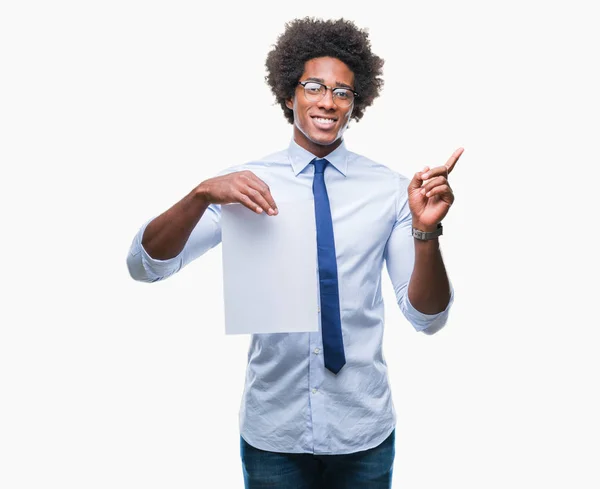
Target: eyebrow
x=338 y=84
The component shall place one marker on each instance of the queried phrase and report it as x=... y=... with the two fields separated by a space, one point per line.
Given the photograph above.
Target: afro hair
x=309 y=38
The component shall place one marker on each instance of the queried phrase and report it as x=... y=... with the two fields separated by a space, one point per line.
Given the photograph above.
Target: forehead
x=331 y=70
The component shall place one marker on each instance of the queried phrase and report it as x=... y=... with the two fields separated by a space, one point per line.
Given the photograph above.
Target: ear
x=289 y=103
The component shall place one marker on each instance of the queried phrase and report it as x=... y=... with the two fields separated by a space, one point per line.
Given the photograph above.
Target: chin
x=325 y=141
x=319 y=138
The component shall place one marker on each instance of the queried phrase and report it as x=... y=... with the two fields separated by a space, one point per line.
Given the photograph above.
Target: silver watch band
x=424 y=236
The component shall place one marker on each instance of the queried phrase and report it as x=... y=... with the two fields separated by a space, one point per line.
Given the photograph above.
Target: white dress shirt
x=291 y=403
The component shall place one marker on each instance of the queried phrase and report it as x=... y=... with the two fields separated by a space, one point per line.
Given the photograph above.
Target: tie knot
x=320 y=165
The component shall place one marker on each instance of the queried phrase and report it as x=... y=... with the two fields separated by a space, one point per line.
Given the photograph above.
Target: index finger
x=264 y=189
x=453 y=159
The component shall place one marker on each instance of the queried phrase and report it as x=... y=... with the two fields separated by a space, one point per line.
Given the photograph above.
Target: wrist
x=421 y=235
x=426 y=228
x=200 y=194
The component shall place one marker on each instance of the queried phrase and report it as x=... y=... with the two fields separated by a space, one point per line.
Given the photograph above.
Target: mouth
x=323 y=122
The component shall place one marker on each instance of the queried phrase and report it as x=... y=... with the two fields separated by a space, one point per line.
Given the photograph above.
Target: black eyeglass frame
x=333 y=89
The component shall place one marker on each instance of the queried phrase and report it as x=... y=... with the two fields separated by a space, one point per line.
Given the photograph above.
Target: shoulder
x=261 y=165
x=378 y=170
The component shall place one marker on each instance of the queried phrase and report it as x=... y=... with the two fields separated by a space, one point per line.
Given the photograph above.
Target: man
x=317 y=408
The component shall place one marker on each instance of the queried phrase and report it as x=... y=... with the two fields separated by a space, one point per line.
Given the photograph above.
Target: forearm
x=166 y=235
x=429 y=287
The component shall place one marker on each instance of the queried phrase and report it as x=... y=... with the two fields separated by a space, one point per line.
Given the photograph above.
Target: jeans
x=369 y=469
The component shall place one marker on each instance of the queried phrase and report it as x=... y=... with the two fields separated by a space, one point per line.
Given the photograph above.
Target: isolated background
x=112 y=111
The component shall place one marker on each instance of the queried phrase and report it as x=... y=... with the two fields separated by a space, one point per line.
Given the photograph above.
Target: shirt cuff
x=156 y=269
x=428 y=323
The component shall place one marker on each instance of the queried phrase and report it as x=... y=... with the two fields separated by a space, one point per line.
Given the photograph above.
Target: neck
x=319 y=150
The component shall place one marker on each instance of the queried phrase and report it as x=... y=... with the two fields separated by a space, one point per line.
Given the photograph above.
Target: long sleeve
x=400 y=258
x=206 y=235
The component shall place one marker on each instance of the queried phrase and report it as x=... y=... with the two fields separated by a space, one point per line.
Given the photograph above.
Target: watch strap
x=425 y=236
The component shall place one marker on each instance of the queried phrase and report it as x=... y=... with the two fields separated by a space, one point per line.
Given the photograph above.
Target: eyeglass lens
x=315 y=91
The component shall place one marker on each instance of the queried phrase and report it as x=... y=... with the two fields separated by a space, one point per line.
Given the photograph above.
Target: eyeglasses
x=314 y=91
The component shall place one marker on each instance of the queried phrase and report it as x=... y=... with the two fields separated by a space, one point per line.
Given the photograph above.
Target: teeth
x=324 y=121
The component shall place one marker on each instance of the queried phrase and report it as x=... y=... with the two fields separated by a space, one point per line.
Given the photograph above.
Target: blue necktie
x=331 y=324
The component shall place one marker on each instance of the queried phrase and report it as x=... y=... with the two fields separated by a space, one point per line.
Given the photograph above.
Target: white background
x=112 y=111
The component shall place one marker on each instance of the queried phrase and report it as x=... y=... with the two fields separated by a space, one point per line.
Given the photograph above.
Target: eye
x=313 y=87
x=342 y=93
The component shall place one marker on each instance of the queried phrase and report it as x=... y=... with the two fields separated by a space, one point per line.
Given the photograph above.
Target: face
x=319 y=126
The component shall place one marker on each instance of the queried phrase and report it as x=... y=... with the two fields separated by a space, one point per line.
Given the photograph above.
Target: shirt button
x=314 y=391
x=317 y=351
x=319 y=310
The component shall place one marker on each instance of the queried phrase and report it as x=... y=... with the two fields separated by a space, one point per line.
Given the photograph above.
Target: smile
x=324 y=121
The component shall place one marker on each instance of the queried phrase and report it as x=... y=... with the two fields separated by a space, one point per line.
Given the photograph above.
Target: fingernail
x=423 y=192
x=271 y=211
x=259 y=210
x=425 y=176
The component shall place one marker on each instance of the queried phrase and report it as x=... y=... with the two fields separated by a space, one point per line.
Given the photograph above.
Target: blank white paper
x=270 y=269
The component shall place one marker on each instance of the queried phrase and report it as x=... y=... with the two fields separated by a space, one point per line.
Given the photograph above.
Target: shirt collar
x=301 y=158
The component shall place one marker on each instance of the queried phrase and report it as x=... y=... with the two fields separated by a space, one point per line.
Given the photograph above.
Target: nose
x=327 y=101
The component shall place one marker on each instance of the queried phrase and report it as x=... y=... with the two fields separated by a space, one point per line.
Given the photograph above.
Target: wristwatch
x=423 y=236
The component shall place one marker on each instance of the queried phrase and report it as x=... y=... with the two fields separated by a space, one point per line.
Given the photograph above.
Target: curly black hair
x=308 y=38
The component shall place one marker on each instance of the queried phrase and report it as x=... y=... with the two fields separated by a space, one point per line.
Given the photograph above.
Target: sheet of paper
x=270 y=269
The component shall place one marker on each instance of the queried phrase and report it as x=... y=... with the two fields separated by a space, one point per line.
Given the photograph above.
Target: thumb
x=417 y=180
